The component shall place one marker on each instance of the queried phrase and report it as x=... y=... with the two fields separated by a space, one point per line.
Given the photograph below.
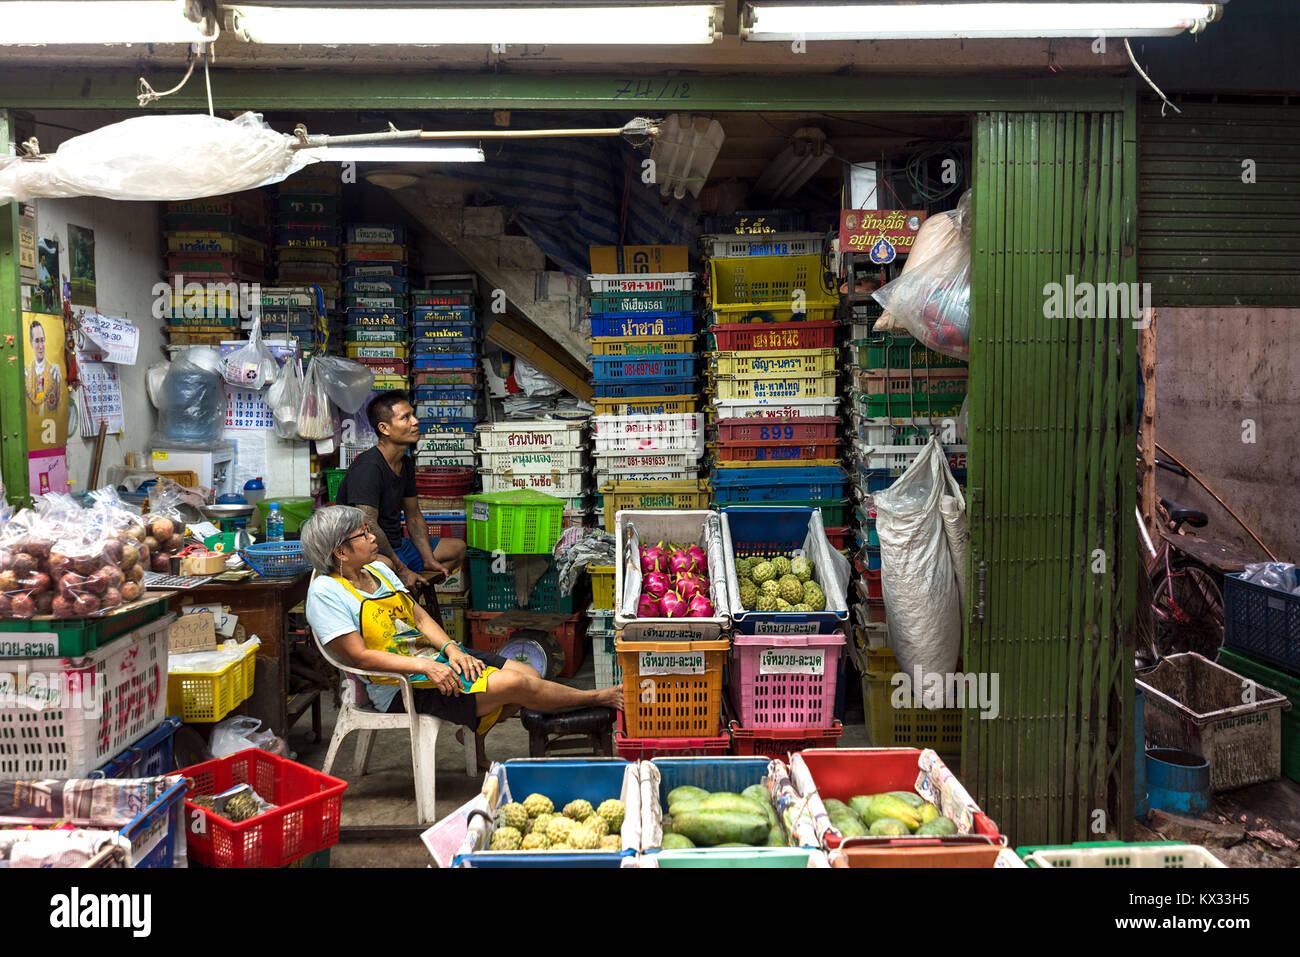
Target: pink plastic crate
x=791 y=694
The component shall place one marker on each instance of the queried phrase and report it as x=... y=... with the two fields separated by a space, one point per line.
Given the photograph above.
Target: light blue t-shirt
x=332 y=611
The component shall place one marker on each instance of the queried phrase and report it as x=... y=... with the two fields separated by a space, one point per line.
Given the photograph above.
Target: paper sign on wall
x=192 y=633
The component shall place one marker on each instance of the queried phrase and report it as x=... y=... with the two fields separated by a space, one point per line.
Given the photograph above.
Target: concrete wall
x=1215 y=370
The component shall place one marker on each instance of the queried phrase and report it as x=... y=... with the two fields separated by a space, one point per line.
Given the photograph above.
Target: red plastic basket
x=767 y=688
x=454 y=530
x=305 y=820
x=443 y=481
x=779 y=743
x=766 y=451
x=756 y=337
x=872 y=578
x=846 y=772
x=643 y=749
x=447 y=377
x=778 y=431
x=569 y=635
x=839 y=537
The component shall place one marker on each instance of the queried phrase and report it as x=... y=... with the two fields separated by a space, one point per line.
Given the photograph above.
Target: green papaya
x=832 y=805
x=678 y=795
x=889 y=806
x=668 y=823
x=721 y=801
x=758 y=794
x=709 y=827
x=848 y=824
x=937 y=828
x=889 y=827
x=928 y=813
x=861 y=806
x=676 y=842
x=911 y=797
x=776 y=837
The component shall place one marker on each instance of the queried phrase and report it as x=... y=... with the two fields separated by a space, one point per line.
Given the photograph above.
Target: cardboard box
x=516 y=337
x=615 y=259
x=195 y=632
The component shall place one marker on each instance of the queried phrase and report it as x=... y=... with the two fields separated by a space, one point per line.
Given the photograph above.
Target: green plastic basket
x=762 y=857
x=520 y=522
x=333 y=479
x=74 y=637
x=492 y=590
x=1279 y=681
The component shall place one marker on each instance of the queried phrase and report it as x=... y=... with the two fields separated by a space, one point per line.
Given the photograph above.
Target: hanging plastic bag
x=347 y=383
x=285 y=399
x=251 y=366
x=931 y=298
x=918 y=571
x=193 y=409
x=314 y=418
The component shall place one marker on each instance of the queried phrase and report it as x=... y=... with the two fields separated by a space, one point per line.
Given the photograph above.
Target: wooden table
x=262 y=606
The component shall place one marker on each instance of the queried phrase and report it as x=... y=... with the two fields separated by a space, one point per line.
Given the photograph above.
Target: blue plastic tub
x=1178 y=781
x=759 y=485
x=561 y=780
x=443 y=338
x=655 y=365
x=433 y=426
x=377 y=317
x=643 y=388
x=443 y=313
x=641 y=325
x=149 y=757
x=732 y=774
x=446 y=360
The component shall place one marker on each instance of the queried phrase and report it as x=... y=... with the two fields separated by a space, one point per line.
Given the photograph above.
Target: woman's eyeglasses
x=365 y=531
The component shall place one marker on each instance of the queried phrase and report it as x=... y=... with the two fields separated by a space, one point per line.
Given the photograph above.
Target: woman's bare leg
x=512 y=687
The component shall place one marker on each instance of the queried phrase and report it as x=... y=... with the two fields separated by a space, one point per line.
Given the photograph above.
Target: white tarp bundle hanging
x=158 y=158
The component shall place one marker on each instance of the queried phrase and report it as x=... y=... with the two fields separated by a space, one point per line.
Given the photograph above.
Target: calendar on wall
x=246 y=409
x=101 y=398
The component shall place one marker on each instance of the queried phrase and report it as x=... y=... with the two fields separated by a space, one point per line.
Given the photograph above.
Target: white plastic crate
x=445 y=442
x=564 y=483
x=651 y=461
x=779 y=409
x=101 y=704
x=634 y=433
x=348 y=453
x=533 y=434
x=897 y=458
x=1127 y=855
x=642 y=282
x=446 y=459
x=668 y=475
x=718 y=245
x=532 y=461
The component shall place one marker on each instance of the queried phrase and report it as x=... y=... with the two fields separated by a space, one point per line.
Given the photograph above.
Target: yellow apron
x=385 y=625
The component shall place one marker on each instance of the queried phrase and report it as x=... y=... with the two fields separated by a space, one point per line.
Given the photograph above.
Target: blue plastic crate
x=425 y=336
x=619 y=389
x=427 y=393
x=873 y=558
x=166 y=816
x=1262 y=622
x=381 y=318
x=446 y=360
x=442 y=313
x=149 y=757
x=876 y=480
x=769 y=484
x=640 y=324
x=358 y=269
x=731 y=774
x=433 y=426
x=625 y=368
x=360 y=285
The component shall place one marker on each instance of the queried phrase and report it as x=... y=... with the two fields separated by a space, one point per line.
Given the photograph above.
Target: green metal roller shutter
x=1207 y=237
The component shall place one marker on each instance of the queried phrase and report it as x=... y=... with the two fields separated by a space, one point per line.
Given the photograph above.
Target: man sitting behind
x=381 y=482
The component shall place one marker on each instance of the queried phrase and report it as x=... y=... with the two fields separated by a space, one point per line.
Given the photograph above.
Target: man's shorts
x=410 y=555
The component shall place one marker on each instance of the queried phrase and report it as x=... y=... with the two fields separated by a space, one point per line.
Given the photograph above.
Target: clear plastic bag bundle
x=347 y=383
x=193 y=412
x=315 y=419
x=251 y=366
x=285 y=399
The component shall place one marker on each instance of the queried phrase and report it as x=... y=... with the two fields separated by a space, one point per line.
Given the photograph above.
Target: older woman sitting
x=360 y=608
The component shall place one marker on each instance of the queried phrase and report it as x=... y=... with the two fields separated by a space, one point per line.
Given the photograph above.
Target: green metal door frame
x=13 y=422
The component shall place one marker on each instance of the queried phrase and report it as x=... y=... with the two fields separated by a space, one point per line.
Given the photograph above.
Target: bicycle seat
x=1180 y=514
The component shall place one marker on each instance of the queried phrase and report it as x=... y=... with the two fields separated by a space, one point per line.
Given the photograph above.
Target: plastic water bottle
x=274 y=524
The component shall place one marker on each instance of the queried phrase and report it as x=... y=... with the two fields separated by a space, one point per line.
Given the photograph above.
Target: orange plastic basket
x=672 y=689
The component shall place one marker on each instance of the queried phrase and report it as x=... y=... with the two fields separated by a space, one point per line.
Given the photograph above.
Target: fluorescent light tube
x=416 y=26
x=396 y=154
x=63 y=22
x=952 y=21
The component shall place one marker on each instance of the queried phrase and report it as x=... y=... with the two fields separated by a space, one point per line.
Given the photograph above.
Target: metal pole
x=13 y=422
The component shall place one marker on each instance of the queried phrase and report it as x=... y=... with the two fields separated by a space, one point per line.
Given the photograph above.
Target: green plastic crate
x=491 y=590
x=28 y=637
x=333 y=479
x=902 y=405
x=901 y=352
x=1279 y=681
x=520 y=522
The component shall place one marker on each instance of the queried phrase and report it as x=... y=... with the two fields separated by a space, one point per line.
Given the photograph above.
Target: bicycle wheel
x=1187 y=609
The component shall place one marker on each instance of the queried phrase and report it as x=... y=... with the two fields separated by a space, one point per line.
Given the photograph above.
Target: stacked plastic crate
x=216 y=258
x=376 y=303
x=308 y=234
x=544 y=455
x=647 y=433
x=899 y=393
x=774 y=378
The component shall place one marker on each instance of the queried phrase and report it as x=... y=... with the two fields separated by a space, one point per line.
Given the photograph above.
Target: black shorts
x=459 y=708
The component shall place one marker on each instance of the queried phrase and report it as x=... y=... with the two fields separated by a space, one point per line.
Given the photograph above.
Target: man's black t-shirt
x=370 y=481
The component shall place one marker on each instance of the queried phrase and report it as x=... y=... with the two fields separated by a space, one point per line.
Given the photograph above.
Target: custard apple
x=762 y=572
x=781 y=565
x=516 y=816
x=766 y=603
x=611 y=842
x=802 y=606
x=748 y=595
x=506 y=839
x=814 y=596
x=562 y=846
x=578 y=810
x=612 y=811
x=585 y=838
x=791 y=589
x=770 y=589
x=535 y=842
x=744 y=567
x=801 y=569
x=536 y=804
x=559 y=830
x=542 y=822
x=597 y=824
x=783 y=605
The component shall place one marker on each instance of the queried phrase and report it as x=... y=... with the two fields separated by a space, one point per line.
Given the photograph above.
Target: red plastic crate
x=570 y=636
x=454 y=530
x=305 y=820
x=784 y=700
x=643 y=749
x=846 y=772
x=762 y=451
x=778 y=431
x=448 y=377
x=872 y=578
x=779 y=743
x=757 y=337
x=443 y=481
x=839 y=537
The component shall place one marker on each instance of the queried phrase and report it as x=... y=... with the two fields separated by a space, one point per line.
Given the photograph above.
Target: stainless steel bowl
x=225 y=512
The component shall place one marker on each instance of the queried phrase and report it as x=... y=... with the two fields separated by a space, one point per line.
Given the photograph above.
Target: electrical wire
x=915 y=172
x=1142 y=73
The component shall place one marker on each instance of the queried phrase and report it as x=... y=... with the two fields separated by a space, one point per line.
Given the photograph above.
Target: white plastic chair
x=357 y=714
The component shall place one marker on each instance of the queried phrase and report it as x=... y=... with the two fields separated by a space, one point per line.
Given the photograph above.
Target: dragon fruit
x=700 y=559
x=653 y=559
x=700 y=607
x=656 y=583
x=672 y=605
x=688 y=586
x=648 y=607
x=679 y=563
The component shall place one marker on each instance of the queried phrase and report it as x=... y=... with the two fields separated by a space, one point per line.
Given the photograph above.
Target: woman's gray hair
x=327 y=530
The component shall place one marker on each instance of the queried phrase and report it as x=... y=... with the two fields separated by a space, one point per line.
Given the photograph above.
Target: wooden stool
x=577 y=730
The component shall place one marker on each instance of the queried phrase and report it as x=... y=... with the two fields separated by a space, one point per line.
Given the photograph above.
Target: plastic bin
x=760 y=485
x=1262 y=622
x=775 y=364
x=493 y=590
x=679 y=528
x=766 y=454
x=149 y=757
x=644 y=749
x=639 y=367
x=532 y=461
x=682 y=693
x=779 y=432
x=939 y=729
x=765 y=858
x=790 y=385
x=1195 y=705
x=914 y=852
x=84 y=710
x=762 y=289
x=304 y=821
x=730 y=774
x=642 y=302
x=201 y=697
x=663 y=405
x=647 y=387
x=522 y=522
x=753 y=337
x=1154 y=855
x=295 y=509
x=639 y=325
x=569 y=635
x=1283 y=683
x=644 y=346
x=608 y=671
x=765 y=244
x=527 y=435
x=785 y=681
x=453 y=613
x=642 y=433
x=561 y=484
x=656 y=282
x=780 y=743
x=650 y=462
x=619 y=496
x=790 y=408
x=602 y=585
x=48 y=637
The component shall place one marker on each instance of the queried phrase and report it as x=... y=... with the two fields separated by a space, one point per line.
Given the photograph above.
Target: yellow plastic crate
x=777 y=363
x=684 y=494
x=643 y=345
x=890 y=727
x=452 y=612
x=649 y=405
x=200 y=697
x=763 y=288
x=602 y=585
x=801 y=385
